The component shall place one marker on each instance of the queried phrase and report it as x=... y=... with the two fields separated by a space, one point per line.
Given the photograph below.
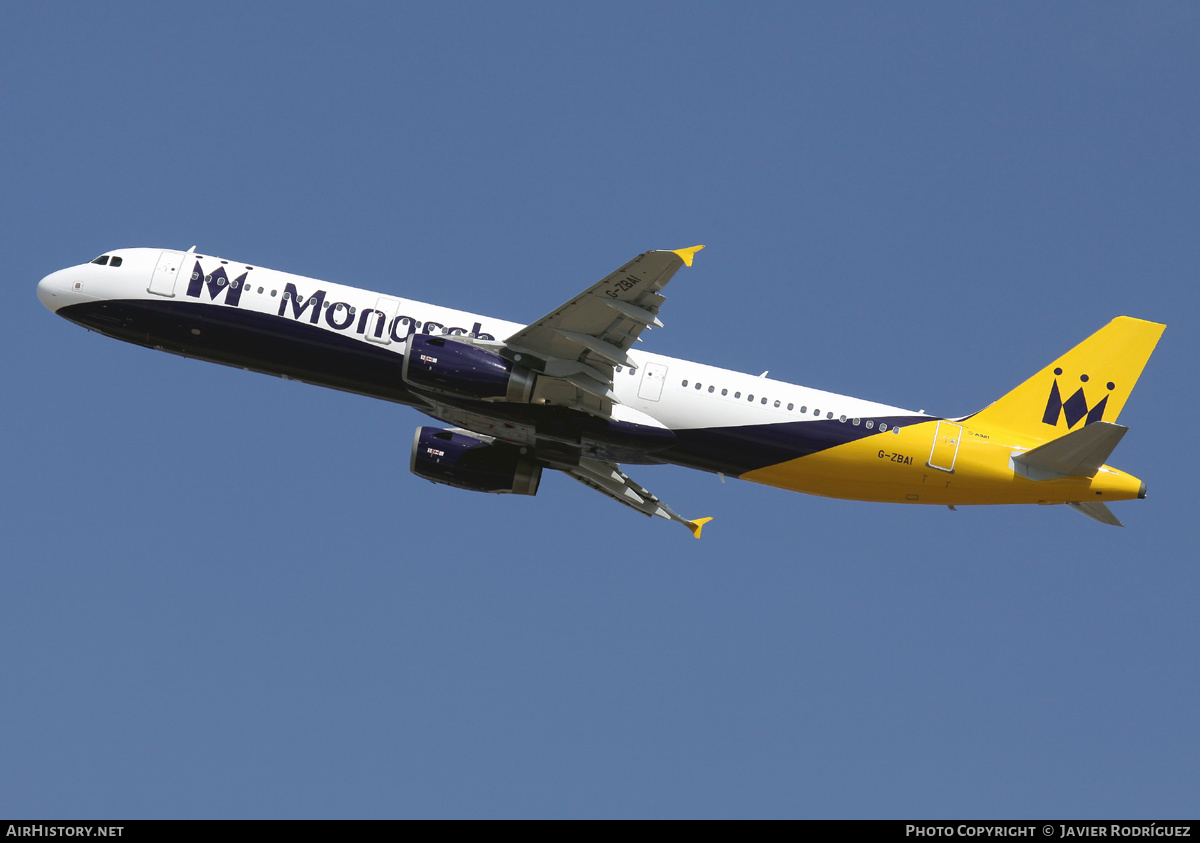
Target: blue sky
x=225 y=596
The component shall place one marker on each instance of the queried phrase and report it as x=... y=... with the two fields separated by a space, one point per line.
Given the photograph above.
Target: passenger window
x=791 y=406
x=697 y=384
x=856 y=422
x=882 y=427
x=749 y=397
x=870 y=424
x=764 y=401
x=711 y=388
x=830 y=415
x=115 y=262
x=803 y=409
x=737 y=395
x=685 y=383
x=724 y=391
x=776 y=403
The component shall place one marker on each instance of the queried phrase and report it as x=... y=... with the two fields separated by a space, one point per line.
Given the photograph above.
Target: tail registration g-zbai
x=569 y=392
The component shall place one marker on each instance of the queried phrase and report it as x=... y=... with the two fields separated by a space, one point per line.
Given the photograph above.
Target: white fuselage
x=686 y=394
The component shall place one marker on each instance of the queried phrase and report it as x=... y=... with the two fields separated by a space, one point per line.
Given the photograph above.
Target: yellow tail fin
x=1091 y=382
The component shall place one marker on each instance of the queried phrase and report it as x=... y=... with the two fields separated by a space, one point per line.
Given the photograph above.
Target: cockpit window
x=102 y=260
x=116 y=261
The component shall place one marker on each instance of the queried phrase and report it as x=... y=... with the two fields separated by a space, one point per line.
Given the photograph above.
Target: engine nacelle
x=461 y=459
x=457 y=368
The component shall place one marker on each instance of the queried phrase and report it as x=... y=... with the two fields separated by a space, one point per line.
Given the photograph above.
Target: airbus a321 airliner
x=569 y=392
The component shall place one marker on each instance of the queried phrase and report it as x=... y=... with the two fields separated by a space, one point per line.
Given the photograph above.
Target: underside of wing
x=576 y=346
x=608 y=479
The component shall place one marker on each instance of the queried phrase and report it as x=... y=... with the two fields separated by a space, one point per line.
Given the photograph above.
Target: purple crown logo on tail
x=1074 y=408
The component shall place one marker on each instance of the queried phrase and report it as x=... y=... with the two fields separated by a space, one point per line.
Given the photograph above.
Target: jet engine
x=457 y=368
x=476 y=463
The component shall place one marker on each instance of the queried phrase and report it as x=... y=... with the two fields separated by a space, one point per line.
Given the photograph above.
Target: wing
x=576 y=346
x=608 y=479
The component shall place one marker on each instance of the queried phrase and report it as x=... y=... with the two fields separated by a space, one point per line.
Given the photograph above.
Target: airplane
x=570 y=392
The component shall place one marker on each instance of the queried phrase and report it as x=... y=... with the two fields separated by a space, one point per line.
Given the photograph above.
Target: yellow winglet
x=686 y=256
x=697 y=525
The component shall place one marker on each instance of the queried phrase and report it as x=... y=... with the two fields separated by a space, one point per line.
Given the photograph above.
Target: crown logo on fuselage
x=1074 y=408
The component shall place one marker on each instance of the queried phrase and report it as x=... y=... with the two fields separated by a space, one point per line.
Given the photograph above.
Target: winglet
x=697 y=525
x=686 y=256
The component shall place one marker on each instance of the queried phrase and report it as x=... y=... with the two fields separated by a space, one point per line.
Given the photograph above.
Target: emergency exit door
x=653 y=377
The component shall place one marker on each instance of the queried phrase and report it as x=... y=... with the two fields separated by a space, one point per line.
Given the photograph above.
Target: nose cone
x=65 y=287
x=50 y=290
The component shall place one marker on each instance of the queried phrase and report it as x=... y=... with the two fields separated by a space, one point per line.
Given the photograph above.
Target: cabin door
x=945 y=446
x=162 y=282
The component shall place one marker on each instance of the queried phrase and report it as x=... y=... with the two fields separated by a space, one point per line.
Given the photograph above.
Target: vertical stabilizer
x=1089 y=383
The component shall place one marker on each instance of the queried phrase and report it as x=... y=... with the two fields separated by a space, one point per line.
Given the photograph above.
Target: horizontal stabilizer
x=1097 y=512
x=1080 y=452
